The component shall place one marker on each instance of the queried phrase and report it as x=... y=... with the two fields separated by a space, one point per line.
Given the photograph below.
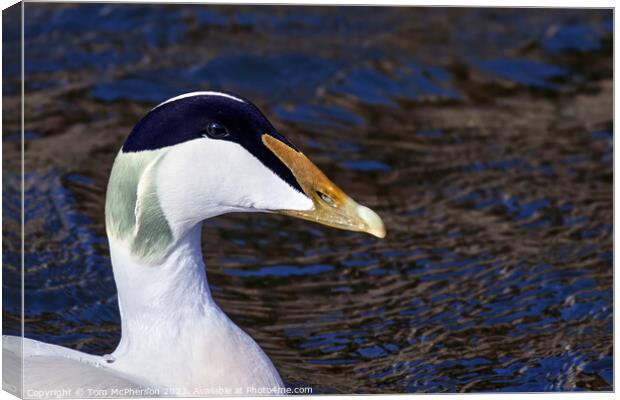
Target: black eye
x=216 y=130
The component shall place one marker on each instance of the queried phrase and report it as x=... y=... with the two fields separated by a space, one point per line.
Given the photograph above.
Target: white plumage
x=175 y=339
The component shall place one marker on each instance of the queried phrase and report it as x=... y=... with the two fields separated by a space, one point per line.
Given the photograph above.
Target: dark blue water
x=483 y=137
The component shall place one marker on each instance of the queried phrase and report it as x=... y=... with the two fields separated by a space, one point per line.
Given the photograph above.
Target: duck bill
x=332 y=207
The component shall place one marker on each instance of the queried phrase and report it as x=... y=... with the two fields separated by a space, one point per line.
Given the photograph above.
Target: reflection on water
x=482 y=136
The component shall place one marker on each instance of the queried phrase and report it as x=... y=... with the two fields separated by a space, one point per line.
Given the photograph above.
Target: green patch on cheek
x=133 y=211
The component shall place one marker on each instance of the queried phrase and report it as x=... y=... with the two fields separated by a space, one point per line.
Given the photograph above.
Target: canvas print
x=241 y=200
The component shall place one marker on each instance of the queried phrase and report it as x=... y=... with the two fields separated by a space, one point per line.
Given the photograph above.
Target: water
x=483 y=137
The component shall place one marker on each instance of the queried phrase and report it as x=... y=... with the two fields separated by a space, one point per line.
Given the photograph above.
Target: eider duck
x=193 y=157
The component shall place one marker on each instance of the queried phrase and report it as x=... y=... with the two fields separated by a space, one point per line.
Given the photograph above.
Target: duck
x=193 y=157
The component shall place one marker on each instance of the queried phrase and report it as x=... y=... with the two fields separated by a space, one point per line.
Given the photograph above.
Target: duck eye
x=216 y=130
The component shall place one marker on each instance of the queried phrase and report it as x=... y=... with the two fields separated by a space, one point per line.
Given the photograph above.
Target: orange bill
x=332 y=207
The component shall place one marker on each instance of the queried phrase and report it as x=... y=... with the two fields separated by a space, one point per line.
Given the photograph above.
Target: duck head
x=204 y=154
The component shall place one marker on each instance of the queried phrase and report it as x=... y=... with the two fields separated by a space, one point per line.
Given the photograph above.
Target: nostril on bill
x=326 y=198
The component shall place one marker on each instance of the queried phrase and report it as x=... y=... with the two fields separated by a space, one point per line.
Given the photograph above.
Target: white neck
x=169 y=319
x=155 y=299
